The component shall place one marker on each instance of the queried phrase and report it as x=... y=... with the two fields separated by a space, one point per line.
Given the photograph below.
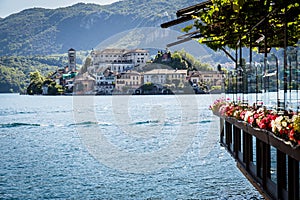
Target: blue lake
x=115 y=147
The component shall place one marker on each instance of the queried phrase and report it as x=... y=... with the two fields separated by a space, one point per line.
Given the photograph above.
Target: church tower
x=72 y=59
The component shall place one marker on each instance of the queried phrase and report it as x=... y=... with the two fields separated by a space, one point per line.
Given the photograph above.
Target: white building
x=105 y=82
x=119 y=59
x=165 y=76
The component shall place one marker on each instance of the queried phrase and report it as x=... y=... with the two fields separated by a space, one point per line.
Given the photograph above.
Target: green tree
x=36 y=83
x=87 y=63
x=229 y=22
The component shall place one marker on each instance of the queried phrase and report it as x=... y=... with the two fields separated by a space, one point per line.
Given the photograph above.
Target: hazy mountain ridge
x=40 y=31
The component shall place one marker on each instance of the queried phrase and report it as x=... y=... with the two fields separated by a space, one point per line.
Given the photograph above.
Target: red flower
x=272 y=117
x=250 y=120
x=242 y=114
x=262 y=125
x=291 y=135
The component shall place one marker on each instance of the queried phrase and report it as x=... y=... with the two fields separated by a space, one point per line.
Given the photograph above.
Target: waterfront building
x=105 y=81
x=84 y=84
x=212 y=77
x=165 y=76
x=127 y=82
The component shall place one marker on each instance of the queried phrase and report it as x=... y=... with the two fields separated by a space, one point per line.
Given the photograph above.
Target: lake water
x=115 y=147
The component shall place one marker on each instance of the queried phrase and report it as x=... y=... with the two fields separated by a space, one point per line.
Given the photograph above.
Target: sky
x=8 y=7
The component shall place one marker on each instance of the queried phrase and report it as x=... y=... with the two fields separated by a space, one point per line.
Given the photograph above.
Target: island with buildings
x=127 y=71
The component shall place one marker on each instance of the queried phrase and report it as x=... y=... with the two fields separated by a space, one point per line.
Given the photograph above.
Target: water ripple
x=17 y=124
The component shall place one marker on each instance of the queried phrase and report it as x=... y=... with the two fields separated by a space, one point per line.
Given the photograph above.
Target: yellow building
x=127 y=82
x=213 y=78
x=165 y=76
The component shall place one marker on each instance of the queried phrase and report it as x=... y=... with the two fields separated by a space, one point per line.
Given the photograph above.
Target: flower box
x=241 y=125
x=259 y=133
x=217 y=114
x=231 y=120
x=285 y=146
x=279 y=129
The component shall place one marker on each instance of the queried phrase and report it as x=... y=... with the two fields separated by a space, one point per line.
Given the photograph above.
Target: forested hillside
x=39 y=31
x=15 y=70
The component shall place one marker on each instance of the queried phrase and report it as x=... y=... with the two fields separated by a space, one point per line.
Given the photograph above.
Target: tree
x=36 y=83
x=87 y=63
x=231 y=22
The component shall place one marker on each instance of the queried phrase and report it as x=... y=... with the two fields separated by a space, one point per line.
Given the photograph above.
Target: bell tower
x=72 y=59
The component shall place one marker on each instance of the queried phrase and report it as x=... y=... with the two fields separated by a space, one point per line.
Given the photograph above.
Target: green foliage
x=15 y=70
x=54 y=89
x=215 y=87
x=86 y=64
x=36 y=83
x=225 y=23
x=11 y=79
x=147 y=86
x=193 y=63
x=183 y=60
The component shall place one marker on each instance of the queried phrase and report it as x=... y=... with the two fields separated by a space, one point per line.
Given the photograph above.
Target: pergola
x=235 y=24
x=225 y=23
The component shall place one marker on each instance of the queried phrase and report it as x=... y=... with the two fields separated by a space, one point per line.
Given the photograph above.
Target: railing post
x=247 y=149
x=266 y=163
x=221 y=130
x=236 y=141
x=281 y=175
x=228 y=133
x=293 y=179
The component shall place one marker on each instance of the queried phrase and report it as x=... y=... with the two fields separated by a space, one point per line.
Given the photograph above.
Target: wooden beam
x=228 y=54
x=176 y=21
x=192 y=9
x=179 y=42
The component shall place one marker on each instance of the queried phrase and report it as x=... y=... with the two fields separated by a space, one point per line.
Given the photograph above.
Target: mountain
x=39 y=31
